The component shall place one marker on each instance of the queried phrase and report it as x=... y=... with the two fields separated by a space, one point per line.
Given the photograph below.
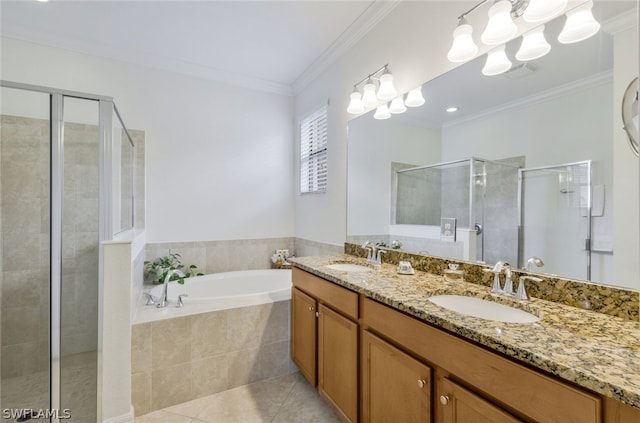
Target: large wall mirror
x=525 y=165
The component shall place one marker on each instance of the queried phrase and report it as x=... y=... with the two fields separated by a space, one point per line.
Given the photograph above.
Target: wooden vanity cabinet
x=395 y=386
x=326 y=349
x=485 y=382
x=459 y=405
x=303 y=333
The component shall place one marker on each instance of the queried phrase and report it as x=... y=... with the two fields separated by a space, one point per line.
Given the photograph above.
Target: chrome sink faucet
x=371 y=251
x=162 y=302
x=497 y=269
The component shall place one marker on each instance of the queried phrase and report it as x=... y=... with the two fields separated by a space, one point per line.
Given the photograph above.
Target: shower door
x=54 y=168
x=24 y=251
x=555 y=218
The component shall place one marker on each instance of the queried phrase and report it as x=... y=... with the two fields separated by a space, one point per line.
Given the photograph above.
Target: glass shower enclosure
x=555 y=218
x=66 y=185
x=481 y=195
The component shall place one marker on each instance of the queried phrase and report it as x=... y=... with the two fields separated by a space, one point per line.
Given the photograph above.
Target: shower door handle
x=478 y=228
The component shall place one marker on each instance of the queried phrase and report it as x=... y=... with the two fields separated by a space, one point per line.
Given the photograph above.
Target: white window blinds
x=313 y=152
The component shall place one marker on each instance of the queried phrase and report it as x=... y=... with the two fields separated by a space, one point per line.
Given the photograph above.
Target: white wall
x=218 y=158
x=373 y=145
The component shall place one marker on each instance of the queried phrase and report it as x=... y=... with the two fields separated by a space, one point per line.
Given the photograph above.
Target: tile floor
x=283 y=399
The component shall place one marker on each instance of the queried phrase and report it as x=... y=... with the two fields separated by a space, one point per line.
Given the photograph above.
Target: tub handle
x=180 y=303
x=150 y=299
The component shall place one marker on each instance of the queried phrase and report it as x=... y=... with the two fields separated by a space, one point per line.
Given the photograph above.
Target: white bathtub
x=218 y=291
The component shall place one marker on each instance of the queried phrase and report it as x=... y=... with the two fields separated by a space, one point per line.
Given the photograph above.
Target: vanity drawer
x=531 y=393
x=338 y=298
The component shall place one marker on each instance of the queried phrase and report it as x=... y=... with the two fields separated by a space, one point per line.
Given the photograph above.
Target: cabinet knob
x=310 y=308
x=444 y=400
x=422 y=383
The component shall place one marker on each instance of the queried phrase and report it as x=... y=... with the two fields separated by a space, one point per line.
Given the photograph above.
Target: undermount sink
x=347 y=267
x=483 y=309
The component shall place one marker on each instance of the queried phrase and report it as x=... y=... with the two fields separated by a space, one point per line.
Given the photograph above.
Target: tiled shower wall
x=24 y=271
x=24 y=160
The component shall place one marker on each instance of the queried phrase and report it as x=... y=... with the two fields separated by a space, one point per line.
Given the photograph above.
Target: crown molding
x=367 y=20
x=621 y=22
x=575 y=86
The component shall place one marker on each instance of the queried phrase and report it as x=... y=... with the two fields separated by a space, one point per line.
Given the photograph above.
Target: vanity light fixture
x=397 y=106
x=543 y=10
x=385 y=99
x=382 y=112
x=463 y=47
x=497 y=62
x=414 y=97
x=369 y=98
x=580 y=24
x=355 y=105
x=501 y=28
x=533 y=46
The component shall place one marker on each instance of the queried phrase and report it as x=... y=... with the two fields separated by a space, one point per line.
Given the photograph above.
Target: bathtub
x=232 y=330
x=218 y=291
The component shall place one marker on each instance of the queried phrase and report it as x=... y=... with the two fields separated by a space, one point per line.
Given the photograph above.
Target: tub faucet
x=162 y=302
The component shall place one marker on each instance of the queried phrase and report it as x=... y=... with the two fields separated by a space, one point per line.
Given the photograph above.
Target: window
x=313 y=152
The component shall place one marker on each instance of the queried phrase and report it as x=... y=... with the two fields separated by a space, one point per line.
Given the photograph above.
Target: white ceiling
x=271 y=45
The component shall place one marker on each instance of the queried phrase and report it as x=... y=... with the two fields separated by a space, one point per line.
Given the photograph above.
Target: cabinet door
x=395 y=386
x=462 y=406
x=338 y=362
x=303 y=334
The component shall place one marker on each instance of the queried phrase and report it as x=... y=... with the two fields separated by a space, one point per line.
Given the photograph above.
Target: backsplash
x=614 y=301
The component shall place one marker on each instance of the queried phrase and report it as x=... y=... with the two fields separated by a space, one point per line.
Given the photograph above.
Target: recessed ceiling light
x=451 y=109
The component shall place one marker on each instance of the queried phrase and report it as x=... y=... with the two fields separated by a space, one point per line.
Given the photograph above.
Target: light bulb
x=386 y=91
x=580 y=24
x=355 y=105
x=463 y=47
x=533 y=46
x=500 y=27
x=382 y=112
x=414 y=97
x=543 y=10
x=397 y=106
x=369 y=98
x=497 y=62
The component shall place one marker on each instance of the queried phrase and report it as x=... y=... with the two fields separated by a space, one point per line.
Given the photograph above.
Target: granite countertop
x=593 y=350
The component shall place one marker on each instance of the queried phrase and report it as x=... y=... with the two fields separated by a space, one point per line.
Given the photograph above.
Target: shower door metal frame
x=105 y=232
x=587 y=243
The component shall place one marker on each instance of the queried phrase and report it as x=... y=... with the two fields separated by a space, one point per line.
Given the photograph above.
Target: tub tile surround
x=610 y=300
x=240 y=254
x=597 y=351
x=185 y=358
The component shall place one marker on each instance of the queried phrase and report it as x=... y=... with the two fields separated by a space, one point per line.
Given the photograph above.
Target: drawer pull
x=444 y=400
x=421 y=383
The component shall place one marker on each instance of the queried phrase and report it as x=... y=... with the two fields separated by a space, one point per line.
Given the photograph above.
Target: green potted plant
x=156 y=271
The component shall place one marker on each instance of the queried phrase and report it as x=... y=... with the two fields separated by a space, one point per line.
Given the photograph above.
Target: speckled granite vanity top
x=593 y=350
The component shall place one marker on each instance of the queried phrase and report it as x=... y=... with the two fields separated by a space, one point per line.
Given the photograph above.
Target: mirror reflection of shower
x=480 y=194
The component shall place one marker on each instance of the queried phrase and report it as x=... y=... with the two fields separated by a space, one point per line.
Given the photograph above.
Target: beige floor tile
x=285 y=399
x=305 y=405
x=258 y=402
x=162 y=416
